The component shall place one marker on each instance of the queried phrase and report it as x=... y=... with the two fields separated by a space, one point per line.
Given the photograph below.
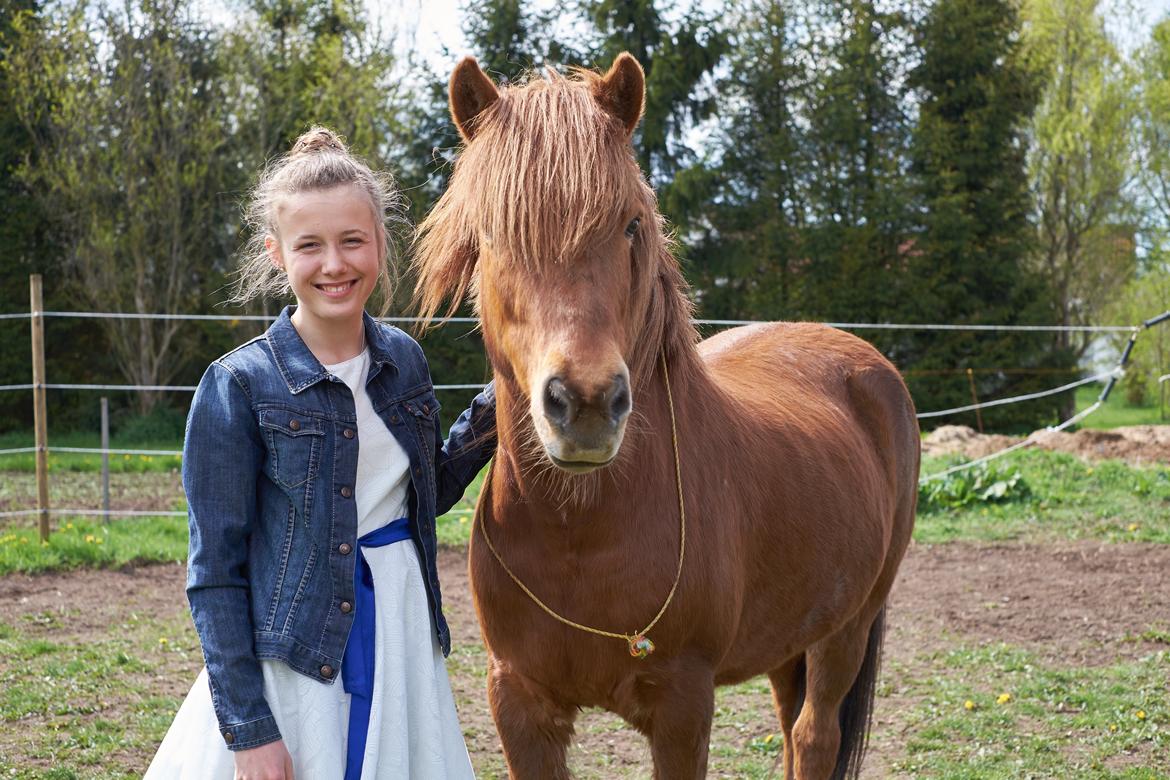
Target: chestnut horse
x=798 y=444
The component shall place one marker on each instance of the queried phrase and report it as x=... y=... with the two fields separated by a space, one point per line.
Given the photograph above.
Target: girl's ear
x=273 y=247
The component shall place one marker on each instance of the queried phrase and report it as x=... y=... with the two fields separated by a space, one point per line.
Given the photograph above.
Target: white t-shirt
x=383 y=470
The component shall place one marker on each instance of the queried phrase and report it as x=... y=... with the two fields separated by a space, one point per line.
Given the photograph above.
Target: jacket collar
x=300 y=368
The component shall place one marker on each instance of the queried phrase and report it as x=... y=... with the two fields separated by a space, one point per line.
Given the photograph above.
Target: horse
x=662 y=515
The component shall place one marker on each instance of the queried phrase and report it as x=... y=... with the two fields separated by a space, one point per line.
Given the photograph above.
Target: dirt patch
x=1135 y=444
x=1075 y=604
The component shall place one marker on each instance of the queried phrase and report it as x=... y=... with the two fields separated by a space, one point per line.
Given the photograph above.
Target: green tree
x=1080 y=161
x=676 y=59
x=742 y=214
x=1145 y=295
x=969 y=262
x=1154 y=120
x=859 y=206
x=125 y=109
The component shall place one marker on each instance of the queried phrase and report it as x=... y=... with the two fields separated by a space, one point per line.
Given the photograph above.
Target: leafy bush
x=986 y=483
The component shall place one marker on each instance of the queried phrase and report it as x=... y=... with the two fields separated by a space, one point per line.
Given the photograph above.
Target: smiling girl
x=314 y=470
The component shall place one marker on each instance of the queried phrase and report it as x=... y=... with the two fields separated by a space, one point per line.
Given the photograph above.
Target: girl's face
x=330 y=247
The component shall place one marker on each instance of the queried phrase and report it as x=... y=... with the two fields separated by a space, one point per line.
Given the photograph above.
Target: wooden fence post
x=975 y=398
x=40 y=422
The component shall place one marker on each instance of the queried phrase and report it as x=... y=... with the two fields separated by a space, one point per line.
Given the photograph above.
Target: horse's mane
x=548 y=169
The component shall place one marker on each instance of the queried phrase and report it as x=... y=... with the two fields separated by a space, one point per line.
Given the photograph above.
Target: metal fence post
x=106 y=459
x=40 y=423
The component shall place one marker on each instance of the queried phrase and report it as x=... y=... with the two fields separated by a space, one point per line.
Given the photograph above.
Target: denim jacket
x=269 y=464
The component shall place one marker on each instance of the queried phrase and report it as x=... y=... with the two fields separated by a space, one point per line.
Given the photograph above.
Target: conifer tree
x=675 y=57
x=970 y=260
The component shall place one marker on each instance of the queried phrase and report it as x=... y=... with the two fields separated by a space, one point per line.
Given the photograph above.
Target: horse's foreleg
x=788 y=694
x=534 y=728
x=679 y=726
x=832 y=667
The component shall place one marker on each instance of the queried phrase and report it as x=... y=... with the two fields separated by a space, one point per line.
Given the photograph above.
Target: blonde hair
x=318 y=160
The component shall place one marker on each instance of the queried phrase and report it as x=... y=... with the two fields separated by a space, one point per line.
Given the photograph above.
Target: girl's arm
x=470 y=444
x=222 y=457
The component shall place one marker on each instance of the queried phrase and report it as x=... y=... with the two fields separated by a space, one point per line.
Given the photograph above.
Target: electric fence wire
x=1037 y=436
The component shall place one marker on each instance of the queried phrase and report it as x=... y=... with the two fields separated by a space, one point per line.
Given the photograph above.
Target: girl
x=314 y=470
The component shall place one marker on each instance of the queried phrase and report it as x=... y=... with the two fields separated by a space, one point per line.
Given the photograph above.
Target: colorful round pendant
x=640 y=646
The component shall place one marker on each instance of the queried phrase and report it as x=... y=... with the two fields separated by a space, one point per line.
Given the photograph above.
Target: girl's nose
x=332 y=262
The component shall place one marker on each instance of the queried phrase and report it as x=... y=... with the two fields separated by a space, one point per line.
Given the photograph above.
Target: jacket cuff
x=253 y=733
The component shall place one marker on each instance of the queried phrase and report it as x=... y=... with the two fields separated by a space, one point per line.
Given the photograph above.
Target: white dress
x=414 y=730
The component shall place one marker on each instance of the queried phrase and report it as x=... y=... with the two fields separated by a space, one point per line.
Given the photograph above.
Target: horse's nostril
x=619 y=406
x=558 y=401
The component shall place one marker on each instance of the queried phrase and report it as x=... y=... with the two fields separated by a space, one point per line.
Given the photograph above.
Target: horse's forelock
x=548 y=169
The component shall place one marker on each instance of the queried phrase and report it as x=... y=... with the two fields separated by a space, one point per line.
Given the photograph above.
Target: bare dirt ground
x=1135 y=444
x=1077 y=603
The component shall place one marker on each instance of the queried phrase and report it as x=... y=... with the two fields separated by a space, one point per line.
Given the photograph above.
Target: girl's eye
x=302 y=247
x=632 y=228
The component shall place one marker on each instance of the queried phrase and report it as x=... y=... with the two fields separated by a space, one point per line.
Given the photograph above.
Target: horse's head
x=549 y=224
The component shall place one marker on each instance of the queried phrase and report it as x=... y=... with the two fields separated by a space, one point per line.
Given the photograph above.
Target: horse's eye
x=632 y=228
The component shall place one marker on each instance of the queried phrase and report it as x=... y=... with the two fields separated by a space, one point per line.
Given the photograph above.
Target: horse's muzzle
x=582 y=428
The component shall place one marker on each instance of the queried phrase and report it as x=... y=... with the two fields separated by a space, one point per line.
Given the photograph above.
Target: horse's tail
x=857 y=708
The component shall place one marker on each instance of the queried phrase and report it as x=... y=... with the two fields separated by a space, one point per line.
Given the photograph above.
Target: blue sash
x=357 y=663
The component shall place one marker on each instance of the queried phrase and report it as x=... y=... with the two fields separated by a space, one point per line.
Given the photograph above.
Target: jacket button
x=294 y=425
x=346 y=491
x=395 y=419
x=344 y=549
x=347 y=433
x=327 y=671
x=228 y=737
x=346 y=607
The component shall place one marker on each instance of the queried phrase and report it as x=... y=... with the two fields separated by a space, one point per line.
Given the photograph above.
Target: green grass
x=72 y=461
x=1115 y=412
x=81 y=543
x=1018 y=716
x=76 y=709
x=1059 y=497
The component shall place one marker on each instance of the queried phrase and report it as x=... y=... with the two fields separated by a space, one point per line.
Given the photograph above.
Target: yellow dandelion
x=768 y=739
x=89 y=538
x=463 y=520
x=1140 y=714
x=162 y=640
x=24 y=540
x=1003 y=698
x=1089 y=472
x=968 y=705
x=44 y=544
x=1133 y=527
x=69 y=526
x=99 y=540
x=1113 y=727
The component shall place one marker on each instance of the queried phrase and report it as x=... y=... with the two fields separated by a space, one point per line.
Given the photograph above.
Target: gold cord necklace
x=639 y=644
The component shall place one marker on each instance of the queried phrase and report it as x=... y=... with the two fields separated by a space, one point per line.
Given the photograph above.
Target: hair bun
x=318 y=139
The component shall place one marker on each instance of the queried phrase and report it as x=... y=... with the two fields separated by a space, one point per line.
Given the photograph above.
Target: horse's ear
x=622 y=91
x=470 y=93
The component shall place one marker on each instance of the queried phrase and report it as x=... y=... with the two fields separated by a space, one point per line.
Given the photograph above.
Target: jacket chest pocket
x=294 y=445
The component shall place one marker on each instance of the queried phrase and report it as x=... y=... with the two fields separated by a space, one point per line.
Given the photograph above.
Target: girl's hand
x=267 y=762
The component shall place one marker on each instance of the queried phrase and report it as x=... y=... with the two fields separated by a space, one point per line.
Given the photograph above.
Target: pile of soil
x=1136 y=444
